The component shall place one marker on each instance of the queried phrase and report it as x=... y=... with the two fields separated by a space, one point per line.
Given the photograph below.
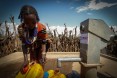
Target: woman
x=32 y=34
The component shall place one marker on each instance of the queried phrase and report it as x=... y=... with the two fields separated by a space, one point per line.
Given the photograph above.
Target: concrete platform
x=10 y=64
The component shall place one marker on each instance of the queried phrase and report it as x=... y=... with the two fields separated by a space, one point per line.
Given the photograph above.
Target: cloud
x=71 y=7
x=89 y=13
x=10 y=25
x=115 y=28
x=60 y=29
x=92 y=5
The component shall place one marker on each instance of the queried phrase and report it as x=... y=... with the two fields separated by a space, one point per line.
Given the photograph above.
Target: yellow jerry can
x=52 y=74
x=34 y=70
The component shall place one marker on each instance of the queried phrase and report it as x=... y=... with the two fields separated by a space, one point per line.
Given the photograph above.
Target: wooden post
x=16 y=39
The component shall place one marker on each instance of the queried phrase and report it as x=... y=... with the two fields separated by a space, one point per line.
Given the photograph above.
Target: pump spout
x=67 y=59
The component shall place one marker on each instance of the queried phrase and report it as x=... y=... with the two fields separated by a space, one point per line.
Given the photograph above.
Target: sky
x=58 y=12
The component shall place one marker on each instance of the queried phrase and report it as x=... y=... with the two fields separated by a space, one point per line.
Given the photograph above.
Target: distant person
x=32 y=34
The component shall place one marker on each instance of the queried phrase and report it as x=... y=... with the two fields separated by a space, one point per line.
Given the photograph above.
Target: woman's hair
x=26 y=10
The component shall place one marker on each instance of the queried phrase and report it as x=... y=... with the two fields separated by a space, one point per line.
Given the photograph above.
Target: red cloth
x=36 y=54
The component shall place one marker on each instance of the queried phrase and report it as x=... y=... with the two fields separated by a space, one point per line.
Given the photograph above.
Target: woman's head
x=28 y=15
x=26 y=10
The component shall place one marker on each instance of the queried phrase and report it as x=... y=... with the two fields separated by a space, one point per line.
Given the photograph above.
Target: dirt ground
x=10 y=68
x=10 y=71
x=10 y=65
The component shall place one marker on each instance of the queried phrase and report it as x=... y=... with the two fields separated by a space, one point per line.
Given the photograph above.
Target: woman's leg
x=32 y=55
x=38 y=54
x=25 y=53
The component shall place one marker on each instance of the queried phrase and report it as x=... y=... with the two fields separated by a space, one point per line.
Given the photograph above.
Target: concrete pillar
x=94 y=35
